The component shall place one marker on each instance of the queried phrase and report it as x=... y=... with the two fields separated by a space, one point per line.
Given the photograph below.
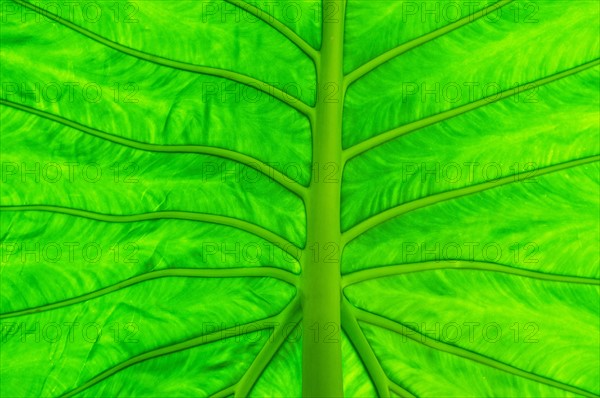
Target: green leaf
x=295 y=198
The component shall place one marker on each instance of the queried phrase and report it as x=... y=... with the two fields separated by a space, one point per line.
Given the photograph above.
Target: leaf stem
x=320 y=279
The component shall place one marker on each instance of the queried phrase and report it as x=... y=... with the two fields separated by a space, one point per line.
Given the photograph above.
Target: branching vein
x=396 y=389
x=382 y=138
x=245 y=226
x=365 y=352
x=224 y=393
x=185 y=345
x=279 y=26
x=404 y=208
x=184 y=66
x=400 y=328
x=246 y=160
x=268 y=272
x=399 y=269
x=288 y=321
x=401 y=49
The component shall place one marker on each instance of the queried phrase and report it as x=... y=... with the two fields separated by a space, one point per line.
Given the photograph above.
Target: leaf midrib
x=303 y=108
